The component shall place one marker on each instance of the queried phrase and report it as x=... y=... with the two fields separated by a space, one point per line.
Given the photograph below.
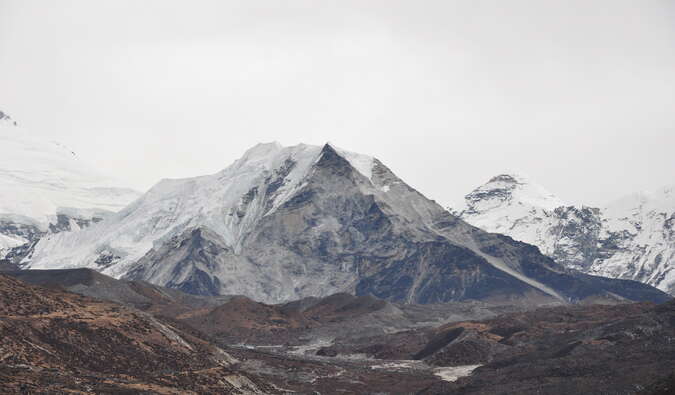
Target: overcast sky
x=579 y=95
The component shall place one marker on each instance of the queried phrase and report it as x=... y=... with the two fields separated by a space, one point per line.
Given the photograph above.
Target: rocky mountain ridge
x=285 y=223
x=630 y=238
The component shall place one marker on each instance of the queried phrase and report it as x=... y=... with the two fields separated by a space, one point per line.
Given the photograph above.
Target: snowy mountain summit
x=507 y=199
x=632 y=238
x=44 y=188
x=283 y=223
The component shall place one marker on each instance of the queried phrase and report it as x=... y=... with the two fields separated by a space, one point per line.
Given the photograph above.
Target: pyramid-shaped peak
x=362 y=163
x=272 y=154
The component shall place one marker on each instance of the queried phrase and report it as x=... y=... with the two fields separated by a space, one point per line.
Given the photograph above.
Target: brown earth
x=55 y=341
x=612 y=349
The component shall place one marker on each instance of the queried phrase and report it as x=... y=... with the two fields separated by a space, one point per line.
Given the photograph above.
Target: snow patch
x=453 y=373
x=362 y=163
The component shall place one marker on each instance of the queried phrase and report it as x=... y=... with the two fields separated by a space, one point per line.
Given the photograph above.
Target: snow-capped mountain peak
x=283 y=223
x=510 y=204
x=632 y=237
x=229 y=203
x=507 y=190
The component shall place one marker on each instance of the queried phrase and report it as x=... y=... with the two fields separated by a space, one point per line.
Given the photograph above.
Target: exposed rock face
x=631 y=238
x=286 y=223
x=45 y=189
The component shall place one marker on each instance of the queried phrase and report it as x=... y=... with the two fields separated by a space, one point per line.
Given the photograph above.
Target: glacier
x=45 y=187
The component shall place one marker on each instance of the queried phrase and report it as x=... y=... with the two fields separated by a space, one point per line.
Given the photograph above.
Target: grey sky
x=579 y=95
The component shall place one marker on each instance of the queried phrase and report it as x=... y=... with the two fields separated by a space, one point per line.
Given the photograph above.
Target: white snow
x=452 y=373
x=8 y=242
x=515 y=206
x=519 y=208
x=39 y=179
x=362 y=163
x=399 y=365
x=174 y=205
x=646 y=253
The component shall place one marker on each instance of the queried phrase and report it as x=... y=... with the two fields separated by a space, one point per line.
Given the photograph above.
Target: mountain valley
x=313 y=269
x=340 y=343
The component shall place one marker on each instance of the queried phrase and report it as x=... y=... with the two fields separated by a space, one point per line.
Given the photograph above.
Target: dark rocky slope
x=53 y=341
x=620 y=348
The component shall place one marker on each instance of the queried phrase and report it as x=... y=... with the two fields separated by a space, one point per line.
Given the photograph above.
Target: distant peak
x=509 y=178
x=510 y=188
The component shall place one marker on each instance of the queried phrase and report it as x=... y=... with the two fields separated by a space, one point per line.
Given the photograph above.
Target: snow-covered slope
x=283 y=223
x=638 y=239
x=44 y=187
x=632 y=238
x=224 y=202
x=512 y=204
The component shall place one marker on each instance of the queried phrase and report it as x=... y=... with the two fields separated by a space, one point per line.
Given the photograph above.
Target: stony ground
x=162 y=341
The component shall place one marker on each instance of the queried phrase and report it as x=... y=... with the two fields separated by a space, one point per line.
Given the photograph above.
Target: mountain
x=284 y=223
x=631 y=238
x=52 y=341
x=44 y=188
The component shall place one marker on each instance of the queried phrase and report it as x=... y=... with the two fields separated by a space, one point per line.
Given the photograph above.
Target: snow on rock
x=8 y=242
x=631 y=238
x=639 y=231
x=362 y=163
x=224 y=202
x=284 y=223
x=512 y=204
x=454 y=373
x=40 y=180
